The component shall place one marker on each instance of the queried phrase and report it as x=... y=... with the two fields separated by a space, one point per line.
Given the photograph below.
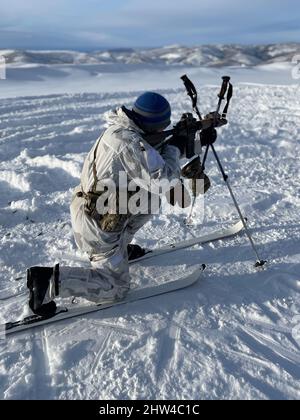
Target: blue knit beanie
x=152 y=112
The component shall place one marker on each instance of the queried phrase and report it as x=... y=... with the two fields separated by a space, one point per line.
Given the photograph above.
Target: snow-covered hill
x=235 y=334
x=206 y=55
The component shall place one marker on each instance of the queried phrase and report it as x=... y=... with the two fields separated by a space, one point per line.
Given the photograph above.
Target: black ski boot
x=40 y=281
x=135 y=252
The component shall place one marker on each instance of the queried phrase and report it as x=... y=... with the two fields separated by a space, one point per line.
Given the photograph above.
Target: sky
x=97 y=24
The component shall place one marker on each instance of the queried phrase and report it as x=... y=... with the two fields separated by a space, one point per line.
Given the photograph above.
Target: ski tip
x=204 y=267
x=8 y=326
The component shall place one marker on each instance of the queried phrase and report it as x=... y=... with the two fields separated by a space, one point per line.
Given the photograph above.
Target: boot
x=43 y=286
x=135 y=252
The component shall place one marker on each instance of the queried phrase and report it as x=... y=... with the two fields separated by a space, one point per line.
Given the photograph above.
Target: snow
x=35 y=80
x=235 y=334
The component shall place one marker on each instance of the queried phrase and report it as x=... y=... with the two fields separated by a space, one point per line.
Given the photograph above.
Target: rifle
x=186 y=128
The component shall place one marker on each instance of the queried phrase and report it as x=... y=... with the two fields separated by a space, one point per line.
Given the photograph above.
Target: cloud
x=97 y=23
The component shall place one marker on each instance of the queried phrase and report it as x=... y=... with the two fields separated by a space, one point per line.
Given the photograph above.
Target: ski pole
x=259 y=262
x=224 y=88
x=227 y=87
x=205 y=157
x=192 y=93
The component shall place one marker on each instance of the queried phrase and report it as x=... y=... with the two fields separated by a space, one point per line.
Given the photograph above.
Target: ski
x=214 y=236
x=211 y=237
x=132 y=296
x=14 y=296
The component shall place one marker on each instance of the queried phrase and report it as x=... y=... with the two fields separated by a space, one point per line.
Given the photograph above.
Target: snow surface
x=35 y=80
x=235 y=334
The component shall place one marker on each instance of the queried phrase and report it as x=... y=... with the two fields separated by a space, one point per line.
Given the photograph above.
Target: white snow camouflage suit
x=120 y=148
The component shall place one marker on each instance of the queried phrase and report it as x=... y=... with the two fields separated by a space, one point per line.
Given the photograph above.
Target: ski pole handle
x=192 y=93
x=229 y=96
x=191 y=90
x=224 y=87
x=221 y=96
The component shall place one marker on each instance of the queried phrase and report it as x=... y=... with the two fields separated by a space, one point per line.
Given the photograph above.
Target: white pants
x=108 y=278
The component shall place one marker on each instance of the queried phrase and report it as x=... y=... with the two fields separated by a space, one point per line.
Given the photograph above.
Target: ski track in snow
x=228 y=336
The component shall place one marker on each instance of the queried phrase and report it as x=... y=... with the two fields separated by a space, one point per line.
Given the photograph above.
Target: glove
x=194 y=171
x=186 y=130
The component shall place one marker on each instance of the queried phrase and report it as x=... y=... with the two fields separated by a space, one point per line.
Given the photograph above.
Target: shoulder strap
x=94 y=187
